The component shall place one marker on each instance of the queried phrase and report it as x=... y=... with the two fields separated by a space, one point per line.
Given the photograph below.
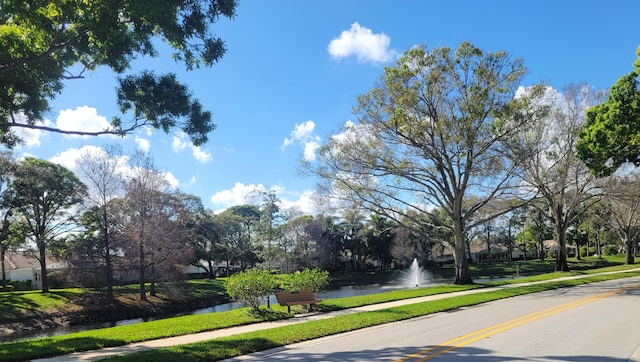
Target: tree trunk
x=541 y=253
x=210 y=271
x=463 y=274
x=143 y=292
x=107 y=256
x=152 y=288
x=561 y=255
x=4 y=272
x=630 y=260
x=43 y=267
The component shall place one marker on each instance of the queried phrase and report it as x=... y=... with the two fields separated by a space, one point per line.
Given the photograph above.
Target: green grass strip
x=228 y=347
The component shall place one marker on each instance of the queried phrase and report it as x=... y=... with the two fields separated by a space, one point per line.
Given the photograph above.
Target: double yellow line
x=435 y=351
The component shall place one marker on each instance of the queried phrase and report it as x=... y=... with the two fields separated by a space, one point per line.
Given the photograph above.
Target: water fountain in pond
x=415 y=276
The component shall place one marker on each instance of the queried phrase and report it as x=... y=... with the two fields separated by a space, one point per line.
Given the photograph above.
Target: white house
x=22 y=265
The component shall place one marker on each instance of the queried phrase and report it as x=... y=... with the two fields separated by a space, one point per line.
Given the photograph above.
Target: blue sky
x=294 y=68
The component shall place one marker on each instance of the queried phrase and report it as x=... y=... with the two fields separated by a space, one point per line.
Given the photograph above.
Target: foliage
x=44 y=43
x=251 y=286
x=608 y=250
x=314 y=280
x=44 y=194
x=19 y=285
x=611 y=134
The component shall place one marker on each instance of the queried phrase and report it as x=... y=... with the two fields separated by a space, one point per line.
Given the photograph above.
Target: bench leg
x=289 y=309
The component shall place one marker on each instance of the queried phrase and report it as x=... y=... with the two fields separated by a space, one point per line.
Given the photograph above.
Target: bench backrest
x=294 y=297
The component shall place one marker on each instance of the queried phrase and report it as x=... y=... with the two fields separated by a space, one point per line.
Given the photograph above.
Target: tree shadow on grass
x=46 y=347
x=213 y=350
x=14 y=304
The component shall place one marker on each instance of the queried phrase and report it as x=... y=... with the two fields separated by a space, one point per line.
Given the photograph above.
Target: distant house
x=22 y=265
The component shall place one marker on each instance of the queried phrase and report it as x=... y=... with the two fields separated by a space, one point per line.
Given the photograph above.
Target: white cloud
x=143 y=144
x=303 y=134
x=310 y=149
x=84 y=118
x=242 y=194
x=172 y=180
x=304 y=202
x=180 y=142
x=31 y=137
x=201 y=155
x=362 y=43
x=72 y=156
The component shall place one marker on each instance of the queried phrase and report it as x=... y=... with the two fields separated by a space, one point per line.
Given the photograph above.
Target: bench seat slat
x=301 y=297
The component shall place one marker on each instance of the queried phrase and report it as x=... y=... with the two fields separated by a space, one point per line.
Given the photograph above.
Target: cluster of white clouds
x=83 y=118
x=303 y=134
x=364 y=44
x=72 y=157
x=241 y=194
x=180 y=142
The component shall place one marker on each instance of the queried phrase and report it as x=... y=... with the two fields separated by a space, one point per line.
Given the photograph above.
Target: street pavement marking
x=435 y=351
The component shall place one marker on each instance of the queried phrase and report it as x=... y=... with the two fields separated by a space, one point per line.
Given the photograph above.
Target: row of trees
x=118 y=221
x=450 y=140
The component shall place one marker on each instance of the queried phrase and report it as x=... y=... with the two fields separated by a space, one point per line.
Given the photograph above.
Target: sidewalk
x=203 y=336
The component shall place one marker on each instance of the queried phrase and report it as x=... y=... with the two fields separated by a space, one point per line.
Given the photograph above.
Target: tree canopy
x=611 y=134
x=44 y=195
x=430 y=134
x=44 y=43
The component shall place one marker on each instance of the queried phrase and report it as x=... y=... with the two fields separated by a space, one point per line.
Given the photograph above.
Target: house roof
x=23 y=259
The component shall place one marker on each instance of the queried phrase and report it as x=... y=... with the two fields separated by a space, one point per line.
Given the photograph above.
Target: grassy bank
x=244 y=344
x=77 y=304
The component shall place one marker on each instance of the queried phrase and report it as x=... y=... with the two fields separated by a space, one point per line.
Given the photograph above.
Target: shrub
x=583 y=251
x=609 y=249
x=251 y=287
x=21 y=285
x=551 y=253
x=309 y=279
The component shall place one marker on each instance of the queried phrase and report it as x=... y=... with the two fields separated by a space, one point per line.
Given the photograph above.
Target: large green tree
x=45 y=43
x=44 y=195
x=429 y=134
x=611 y=133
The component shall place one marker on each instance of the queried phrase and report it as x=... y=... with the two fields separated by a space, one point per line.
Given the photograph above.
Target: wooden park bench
x=300 y=297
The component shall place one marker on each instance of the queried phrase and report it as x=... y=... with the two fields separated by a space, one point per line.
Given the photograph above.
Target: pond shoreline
x=94 y=312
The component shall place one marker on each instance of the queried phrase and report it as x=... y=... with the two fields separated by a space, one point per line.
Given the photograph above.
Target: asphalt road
x=595 y=322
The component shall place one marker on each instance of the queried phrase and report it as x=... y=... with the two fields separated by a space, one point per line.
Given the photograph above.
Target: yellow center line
x=432 y=352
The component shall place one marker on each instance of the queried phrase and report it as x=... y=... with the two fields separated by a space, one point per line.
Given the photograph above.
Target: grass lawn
x=223 y=348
